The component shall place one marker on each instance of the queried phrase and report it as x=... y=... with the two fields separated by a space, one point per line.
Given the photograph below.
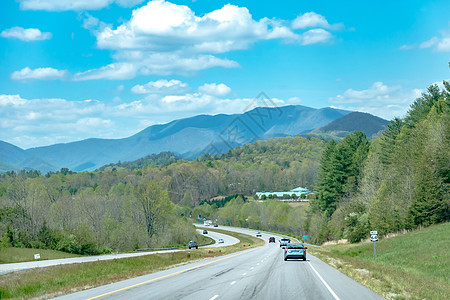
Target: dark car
x=295 y=250
x=193 y=244
x=284 y=242
x=215 y=225
x=271 y=239
x=205 y=231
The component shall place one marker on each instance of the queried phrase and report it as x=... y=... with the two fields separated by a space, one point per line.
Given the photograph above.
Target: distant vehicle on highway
x=221 y=241
x=295 y=250
x=271 y=239
x=205 y=231
x=258 y=234
x=284 y=242
x=193 y=244
x=215 y=225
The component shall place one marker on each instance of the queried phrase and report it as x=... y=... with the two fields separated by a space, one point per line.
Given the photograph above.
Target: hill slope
x=355 y=121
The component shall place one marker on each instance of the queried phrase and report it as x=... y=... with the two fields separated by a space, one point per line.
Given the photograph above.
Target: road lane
x=259 y=273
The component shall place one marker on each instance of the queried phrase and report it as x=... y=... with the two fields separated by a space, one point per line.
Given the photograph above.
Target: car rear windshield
x=295 y=246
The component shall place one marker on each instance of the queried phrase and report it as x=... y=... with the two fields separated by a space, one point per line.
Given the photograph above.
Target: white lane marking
x=257 y=264
x=214 y=297
x=323 y=281
x=233 y=282
x=244 y=274
x=263 y=260
x=251 y=268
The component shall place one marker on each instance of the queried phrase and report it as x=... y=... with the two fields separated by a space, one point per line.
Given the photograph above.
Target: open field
x=415 y=265
x=58 y=280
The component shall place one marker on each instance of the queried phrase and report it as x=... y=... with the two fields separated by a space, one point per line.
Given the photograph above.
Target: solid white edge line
x=233 y=282
x=214 y=297
x=244 y=274
x=323 y=281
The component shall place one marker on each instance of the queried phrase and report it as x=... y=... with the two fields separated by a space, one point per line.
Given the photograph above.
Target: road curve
x=258 y=273
x=7 y=268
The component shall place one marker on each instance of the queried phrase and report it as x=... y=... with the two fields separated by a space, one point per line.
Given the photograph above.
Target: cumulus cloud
x=164 y=26
x=30 y=34
x=215 y=89
x=77 y=5
x=379 y=99
x=312 y=20
x=39 y=74
x=162 y=86
x=164 y=38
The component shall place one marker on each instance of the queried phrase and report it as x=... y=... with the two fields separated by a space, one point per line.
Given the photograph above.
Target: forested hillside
x=124 y=207
x=395 y=182
x=399 y=181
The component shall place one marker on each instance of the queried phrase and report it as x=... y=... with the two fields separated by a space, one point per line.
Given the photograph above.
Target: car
x=221 y=241
x=272 y=239
x=295 y=250
x=284 y=242
x=193 y=244
x=205 y=231
x=215 y=225
x=258 y=234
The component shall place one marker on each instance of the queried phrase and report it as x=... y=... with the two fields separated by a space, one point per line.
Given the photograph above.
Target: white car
x=258 y=234
x=221 y=241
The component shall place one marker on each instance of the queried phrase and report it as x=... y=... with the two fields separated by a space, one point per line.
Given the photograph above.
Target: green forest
x=395 y=182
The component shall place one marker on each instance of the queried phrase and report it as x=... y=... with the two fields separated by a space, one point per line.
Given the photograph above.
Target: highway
x=258 y=273
x=7 y=268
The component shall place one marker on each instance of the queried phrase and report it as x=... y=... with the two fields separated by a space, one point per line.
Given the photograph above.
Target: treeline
x=164 y=158
x=398 y=181
x=126 y=208
x=272 y=215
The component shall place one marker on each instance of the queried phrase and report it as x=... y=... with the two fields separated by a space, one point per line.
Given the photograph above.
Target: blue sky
x=71 y=70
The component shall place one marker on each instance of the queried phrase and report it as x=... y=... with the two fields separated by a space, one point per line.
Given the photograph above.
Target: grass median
x=59 y=280
x=415 y=265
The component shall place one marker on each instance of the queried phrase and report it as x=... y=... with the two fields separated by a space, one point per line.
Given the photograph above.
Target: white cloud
x=312 y=20
x=162 y=86
x=77 y=5
x=39 y=74
x=115 y=71
x=163 y=38
x=439 y=44
x=215 y=89
x=379 y=99
x=164 y=26
x=30 y=34
x=132 y=63
x=315 y=36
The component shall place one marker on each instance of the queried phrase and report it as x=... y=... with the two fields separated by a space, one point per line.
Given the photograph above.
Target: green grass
x=15 y=255
x=415 y=265
x=59 y=280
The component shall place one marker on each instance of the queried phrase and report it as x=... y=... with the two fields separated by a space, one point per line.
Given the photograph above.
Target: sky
x=77 y=69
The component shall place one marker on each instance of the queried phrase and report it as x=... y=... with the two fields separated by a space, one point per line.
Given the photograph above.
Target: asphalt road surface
x=258 y=273
x=7 y=268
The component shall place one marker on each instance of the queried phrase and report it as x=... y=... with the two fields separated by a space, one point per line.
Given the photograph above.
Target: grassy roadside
x=16 y=255
x=58 y=280
x=415 y=265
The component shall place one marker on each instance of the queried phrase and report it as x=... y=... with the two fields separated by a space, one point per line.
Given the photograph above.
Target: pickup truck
x=284 y=242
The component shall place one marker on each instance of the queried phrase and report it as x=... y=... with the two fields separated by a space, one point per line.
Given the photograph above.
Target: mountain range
x=189 y=138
